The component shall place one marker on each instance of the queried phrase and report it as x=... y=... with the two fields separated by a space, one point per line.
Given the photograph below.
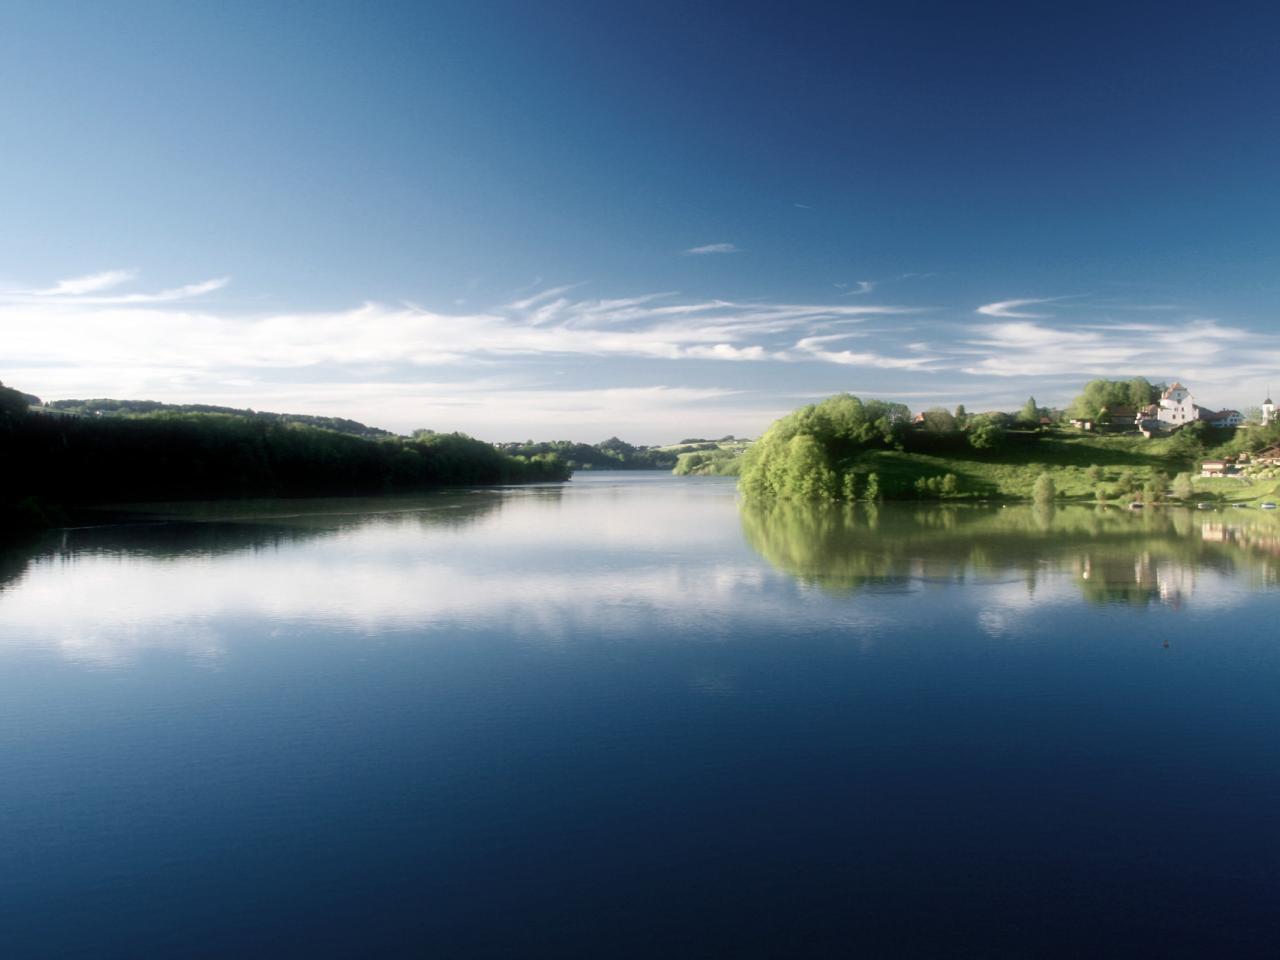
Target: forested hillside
x=53 y=460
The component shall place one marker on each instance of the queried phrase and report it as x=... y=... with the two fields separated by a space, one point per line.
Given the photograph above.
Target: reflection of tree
x=212 y=528
x=1115 y=556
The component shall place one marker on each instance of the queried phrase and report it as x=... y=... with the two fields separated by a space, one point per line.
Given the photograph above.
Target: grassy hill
x=708 y=458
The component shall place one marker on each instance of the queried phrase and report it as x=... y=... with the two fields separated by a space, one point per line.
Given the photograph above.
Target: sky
x=652 y=220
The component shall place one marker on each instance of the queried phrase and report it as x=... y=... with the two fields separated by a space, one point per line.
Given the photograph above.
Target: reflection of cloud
x=540 y=569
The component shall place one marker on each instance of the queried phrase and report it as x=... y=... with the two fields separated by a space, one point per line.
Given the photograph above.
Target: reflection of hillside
x=1114 y=555
x=213 y=528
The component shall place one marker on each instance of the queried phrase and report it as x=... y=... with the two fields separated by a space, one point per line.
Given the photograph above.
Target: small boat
x=1136 y=505
x=1268 y=505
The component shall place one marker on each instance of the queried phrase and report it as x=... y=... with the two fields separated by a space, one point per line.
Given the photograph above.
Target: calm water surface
x=626 y=717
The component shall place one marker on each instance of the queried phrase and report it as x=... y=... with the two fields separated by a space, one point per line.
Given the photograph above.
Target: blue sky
x=655 y=220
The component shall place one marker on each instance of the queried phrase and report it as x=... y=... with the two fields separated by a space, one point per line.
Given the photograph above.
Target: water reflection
x=608 y=558
x=1111 y=555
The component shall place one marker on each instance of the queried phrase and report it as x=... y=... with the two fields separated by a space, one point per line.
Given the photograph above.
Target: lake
x=626 y=716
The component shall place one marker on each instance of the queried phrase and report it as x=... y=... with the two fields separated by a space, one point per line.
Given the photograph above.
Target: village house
x=1177 y=408
x=1225 y=467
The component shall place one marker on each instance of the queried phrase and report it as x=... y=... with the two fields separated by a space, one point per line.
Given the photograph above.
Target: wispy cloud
x=712 y=248
x=161 y=345
x=1011 y=309
x=84 y=290
x=1202 y=350
x=90 y=283
x=502 y=368
x=819 y=348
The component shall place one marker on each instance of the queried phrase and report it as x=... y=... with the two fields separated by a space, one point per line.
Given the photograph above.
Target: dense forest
x=54 y=461
x=150 y=408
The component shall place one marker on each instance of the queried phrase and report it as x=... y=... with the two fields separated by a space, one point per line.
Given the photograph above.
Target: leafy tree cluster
x=153 y=408
x=805 y=455
x=611 y=454
x=1101 y=395
x=82 y=460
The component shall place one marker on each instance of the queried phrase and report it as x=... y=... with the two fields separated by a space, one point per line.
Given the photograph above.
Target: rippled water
x=625 y=716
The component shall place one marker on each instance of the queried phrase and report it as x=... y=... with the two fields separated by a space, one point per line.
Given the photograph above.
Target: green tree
x=1030 y=413
x=837 y=430
x=1045 y=490
x=938 y=420
x=1098 y=395
x=985 y=433
x=1094 y=473
x=1183 y=488
x=1156 y=488
x=962 y=416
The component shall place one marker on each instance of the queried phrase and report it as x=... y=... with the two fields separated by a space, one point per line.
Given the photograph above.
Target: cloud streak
x=91 y=283
x=553 y=361
x=85 y=290
x=712 y=248
x=1011 y=309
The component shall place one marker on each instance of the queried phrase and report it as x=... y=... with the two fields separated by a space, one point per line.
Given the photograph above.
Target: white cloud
x=1009 y=309
x=87 y=284
x=82 y=290
x=712 y=248
x=815 y=348
x=541 y=364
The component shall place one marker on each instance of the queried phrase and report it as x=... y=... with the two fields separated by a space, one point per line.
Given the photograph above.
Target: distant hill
x=153 y=408
x=611 y=454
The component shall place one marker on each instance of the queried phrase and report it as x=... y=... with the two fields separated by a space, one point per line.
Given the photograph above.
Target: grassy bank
x=1081 y=467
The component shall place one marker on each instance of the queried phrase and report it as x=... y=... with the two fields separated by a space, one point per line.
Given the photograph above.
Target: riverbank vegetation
x=53 y=461
x=848 y=449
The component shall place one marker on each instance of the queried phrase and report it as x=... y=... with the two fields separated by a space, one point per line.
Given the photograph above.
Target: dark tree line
x=148 y=408
x=50 y=459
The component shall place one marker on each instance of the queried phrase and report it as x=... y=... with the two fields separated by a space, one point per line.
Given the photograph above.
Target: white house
x=1176 y=407
x=1268 y=410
